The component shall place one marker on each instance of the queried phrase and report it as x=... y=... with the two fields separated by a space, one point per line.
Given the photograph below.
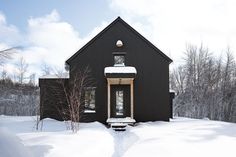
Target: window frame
x=119 y=54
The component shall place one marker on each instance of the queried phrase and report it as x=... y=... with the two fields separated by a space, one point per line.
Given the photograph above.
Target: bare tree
x=205 y=85
x=74 y=96
x=22 y=68
x=38 y=122
x=6 y=54
x=3 y=74
x=46 y=69
x=32 y=79
x=68 y=97
x=178 y=78
x=227 y=84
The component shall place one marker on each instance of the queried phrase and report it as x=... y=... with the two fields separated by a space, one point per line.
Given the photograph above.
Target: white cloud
x=97 y=29
x=53 y=41
x=2 y=19
x=171 y=24
x=8 y=32
x=48 y=40
x=55 y=37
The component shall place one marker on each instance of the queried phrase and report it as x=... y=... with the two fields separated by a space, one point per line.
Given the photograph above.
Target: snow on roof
x=55 y=76
x=120 y=69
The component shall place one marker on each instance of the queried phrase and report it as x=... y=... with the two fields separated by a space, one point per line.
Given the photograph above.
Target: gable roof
x=118 y=19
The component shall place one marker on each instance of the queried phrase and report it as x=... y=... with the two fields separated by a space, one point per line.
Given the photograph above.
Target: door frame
x=120 y=81
x=126 y=100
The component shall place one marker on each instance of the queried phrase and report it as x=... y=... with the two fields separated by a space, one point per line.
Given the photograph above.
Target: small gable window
x=119 y=59
x=89 y=100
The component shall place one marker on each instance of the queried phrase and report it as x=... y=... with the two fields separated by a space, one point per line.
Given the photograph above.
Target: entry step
x=119 y=124
x=127 y=120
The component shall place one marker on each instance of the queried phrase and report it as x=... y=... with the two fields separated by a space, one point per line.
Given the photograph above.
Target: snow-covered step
x=118 y=126
x=127 y=120
x=119 y=129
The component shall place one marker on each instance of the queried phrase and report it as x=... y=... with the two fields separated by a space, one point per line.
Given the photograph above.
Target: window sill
x=89 y=111
x=119 y=65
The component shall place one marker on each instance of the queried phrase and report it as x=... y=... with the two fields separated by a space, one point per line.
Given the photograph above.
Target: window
x=89 y=100
x=119 y=60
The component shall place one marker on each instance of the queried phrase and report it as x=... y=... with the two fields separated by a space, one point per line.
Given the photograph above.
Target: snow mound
x=11 y=145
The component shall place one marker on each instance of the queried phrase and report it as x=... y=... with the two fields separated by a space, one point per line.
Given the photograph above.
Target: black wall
x=151 y=85
x=52 y=98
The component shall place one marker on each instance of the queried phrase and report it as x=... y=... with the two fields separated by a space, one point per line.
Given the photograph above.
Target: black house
x=131 y=79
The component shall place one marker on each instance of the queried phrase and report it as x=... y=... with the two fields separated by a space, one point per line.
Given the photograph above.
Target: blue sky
x=83 y=15
x=49 y=28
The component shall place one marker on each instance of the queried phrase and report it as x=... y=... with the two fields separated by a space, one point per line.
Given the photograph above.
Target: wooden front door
x=120 y=101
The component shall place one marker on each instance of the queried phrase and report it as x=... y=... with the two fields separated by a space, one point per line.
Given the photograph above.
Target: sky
x=50 y=31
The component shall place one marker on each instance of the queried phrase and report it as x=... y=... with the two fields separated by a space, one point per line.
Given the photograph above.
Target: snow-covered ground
x=182 y=137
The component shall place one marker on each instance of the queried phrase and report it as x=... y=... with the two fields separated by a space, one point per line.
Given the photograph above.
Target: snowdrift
x=181 y=137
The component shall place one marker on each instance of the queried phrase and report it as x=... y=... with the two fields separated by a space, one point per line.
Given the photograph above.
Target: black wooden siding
x=52 y=98
x=151 y=85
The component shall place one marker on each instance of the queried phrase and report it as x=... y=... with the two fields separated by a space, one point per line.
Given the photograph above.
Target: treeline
x=205 y=85
x=19 y=99
x=19 y=95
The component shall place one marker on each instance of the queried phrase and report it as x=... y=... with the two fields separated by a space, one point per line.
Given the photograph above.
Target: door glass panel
x=119 y=103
